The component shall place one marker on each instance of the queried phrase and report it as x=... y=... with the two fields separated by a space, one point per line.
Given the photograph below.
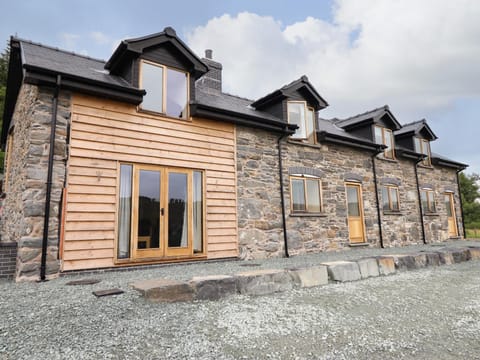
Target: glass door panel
x=356 y=224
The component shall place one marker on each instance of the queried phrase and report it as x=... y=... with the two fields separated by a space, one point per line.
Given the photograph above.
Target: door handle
x=162 y=211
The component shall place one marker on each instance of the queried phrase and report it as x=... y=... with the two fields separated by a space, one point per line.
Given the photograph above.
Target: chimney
x=211 y=82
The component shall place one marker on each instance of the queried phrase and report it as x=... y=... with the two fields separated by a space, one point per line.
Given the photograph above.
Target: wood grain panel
x=106 y=132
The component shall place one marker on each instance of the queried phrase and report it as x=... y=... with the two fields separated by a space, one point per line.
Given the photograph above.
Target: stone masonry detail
x=24 y=206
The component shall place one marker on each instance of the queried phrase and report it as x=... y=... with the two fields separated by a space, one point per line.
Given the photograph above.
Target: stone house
x=143 y=159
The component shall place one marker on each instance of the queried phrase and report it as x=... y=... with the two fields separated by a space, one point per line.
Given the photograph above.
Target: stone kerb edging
x=268 y=281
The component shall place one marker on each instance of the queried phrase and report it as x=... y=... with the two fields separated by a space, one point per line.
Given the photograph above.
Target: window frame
x=306 y=178
x=165 y=89
x=304 y=103
x=420 y=146
x=389 y=188
x=431 y=205
x=391 y=146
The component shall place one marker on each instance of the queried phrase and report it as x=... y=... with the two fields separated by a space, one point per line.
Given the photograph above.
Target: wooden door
x=452 y=223
x=356 y=223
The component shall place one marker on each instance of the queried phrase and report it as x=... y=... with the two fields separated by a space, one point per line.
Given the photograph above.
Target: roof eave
x=343 y=140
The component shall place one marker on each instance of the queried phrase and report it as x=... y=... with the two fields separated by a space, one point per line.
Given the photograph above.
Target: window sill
x=364 y=244
x=425 y=166
x=163 y=115
x=392 y=212
x=381 y=157
x=308 y=215
x=431 y=214
x=302 y=143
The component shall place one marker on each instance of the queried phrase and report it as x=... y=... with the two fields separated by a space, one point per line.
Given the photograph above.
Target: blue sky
x=419 y=57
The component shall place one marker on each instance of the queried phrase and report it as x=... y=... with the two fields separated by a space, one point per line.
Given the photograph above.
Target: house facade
x=143 y=159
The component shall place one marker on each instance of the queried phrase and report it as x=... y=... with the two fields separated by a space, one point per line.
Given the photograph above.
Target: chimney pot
x=208 y=54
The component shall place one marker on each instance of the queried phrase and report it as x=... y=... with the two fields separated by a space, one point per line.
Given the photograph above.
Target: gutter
x=327 y=137
x=379 y=219
x=282 y=195
x=461 y=203
x=46 y=218
x=420 y=199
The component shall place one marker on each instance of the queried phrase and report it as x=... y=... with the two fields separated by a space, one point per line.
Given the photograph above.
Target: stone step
x=269 y=281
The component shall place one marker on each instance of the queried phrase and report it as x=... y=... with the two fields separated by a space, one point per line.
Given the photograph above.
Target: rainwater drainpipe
x=420 y=200
x=282 y=196
x=376 y=196
x=461 y=203
x=46 y=218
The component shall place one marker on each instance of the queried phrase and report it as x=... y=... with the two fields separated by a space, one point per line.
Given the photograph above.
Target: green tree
x=470 y=194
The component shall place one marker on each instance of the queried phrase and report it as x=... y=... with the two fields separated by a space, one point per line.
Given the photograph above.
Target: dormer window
x=167 y=90
x=422 y=146
x=385 y=136
x=304 y=117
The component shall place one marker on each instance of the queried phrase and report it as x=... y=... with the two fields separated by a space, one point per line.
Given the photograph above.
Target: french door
x=356 y=223
x=452 y=223
x=166 y=212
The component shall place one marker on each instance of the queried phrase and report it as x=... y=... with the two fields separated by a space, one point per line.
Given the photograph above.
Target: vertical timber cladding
x=104 y=133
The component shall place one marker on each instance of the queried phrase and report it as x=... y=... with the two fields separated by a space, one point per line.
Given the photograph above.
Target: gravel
x=433 y=313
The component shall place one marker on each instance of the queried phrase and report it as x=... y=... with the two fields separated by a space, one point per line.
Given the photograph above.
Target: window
x=167 y=90
x=304 y=117
x=390 y=198
x=422 y=146
x=385 y=136
x=428 y=200
x=306 y=195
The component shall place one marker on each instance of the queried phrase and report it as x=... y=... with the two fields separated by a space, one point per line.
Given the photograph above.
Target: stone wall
x=24 y=206
x=337 y=164
x=260 y=229
x=403 y=227
x=441 y=180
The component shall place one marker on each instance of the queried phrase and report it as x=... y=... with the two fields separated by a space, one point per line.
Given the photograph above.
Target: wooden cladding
x=106 y=133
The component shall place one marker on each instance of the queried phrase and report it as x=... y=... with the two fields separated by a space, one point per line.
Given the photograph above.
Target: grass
x=473 y=233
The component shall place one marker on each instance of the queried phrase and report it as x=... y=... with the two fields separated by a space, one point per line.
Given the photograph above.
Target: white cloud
x=414 y=55
x=100 y=38
x=69 y=41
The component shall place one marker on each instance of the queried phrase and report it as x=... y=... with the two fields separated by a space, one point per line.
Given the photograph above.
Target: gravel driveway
x=433 y=313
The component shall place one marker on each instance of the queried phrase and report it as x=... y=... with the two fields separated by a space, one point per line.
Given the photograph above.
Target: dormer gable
x=381 y=116
x=163 y=47
x=418 y=129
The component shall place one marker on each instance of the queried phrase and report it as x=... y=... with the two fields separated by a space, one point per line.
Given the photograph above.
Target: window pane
x=298 y=195
x=418 y=146
x=389 y=143
x=378 y=135
x=124 y=211
x=313 y=196
x=423 y=197
x=296 y=115
x=311 y=125
x=394 y=198
x=385 y=201
x=448 y=205
x=353 y=201
x=152 y=82
x=176 y=94
x=177 y=210
x=431 y=201
x=148 y=209
x=197 y=212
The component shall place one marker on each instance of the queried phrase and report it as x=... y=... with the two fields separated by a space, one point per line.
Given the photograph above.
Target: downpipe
x=282 y=195
x=420 y=201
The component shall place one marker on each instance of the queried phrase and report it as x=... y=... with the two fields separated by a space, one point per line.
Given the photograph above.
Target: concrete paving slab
x=386 y=265
x=214 y=287
x=164 y=290
x=309 y=276
x=368 y=267
x=343 y=271
x=263 y=282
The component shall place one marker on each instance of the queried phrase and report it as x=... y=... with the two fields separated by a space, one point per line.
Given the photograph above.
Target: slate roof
x=330 y=128
x=232 y=103
x=63 y=62
x=414 y=128
x=371 y=114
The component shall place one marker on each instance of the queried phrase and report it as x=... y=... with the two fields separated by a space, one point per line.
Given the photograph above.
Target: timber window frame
x=422 y=146
x=390 y=198
x=167 y=98
x=306 y=195
x=306 y=122
x=382 y=135
x=131 y=241
x=427 y=197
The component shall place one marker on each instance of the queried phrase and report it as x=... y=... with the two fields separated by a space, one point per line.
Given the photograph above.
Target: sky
x=420 y=57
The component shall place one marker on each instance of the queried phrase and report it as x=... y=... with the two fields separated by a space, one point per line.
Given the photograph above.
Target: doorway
x=356 y=223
